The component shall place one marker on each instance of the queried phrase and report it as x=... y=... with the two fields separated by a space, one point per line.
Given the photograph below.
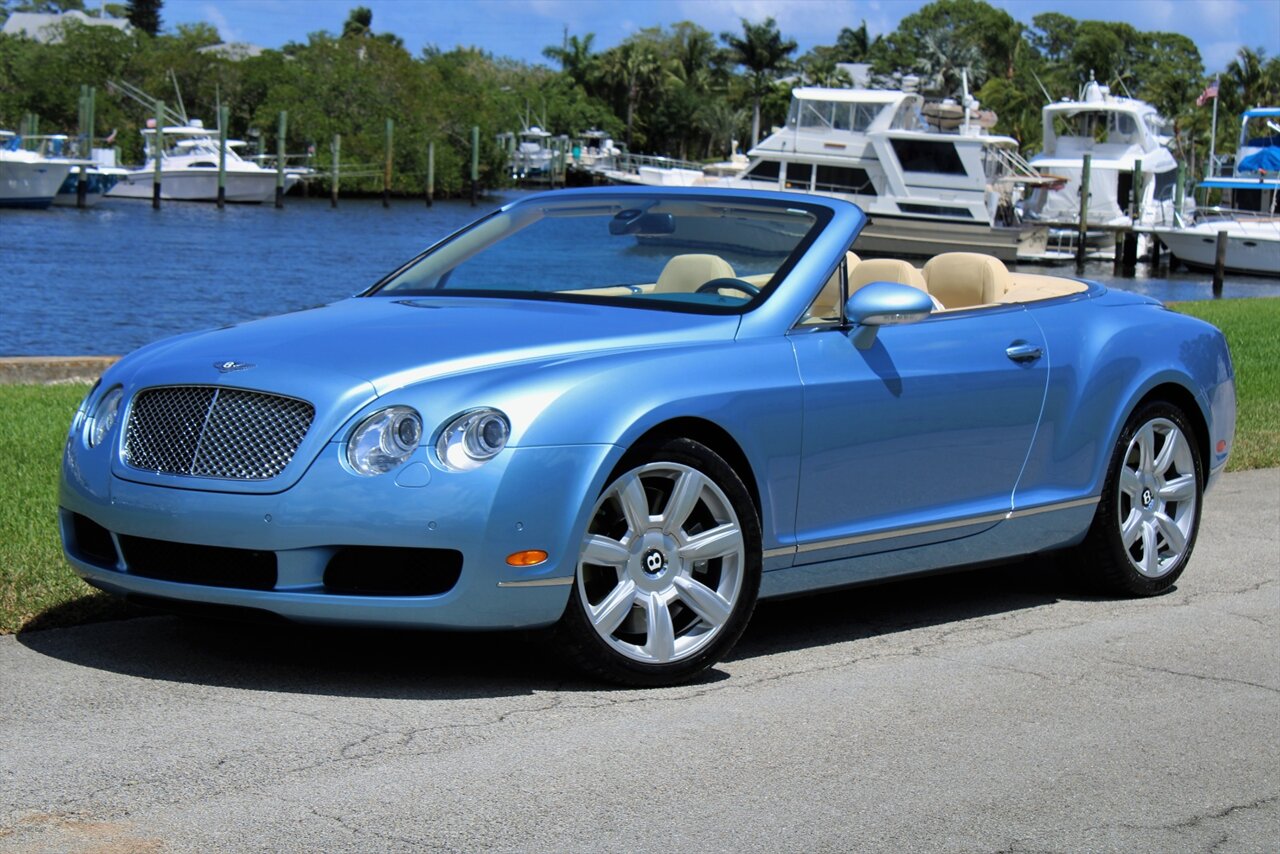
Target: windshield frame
x=821 y=214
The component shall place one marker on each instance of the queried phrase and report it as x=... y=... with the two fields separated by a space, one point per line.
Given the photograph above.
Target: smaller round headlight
x=472 y=439
x=103 y=418
x=384 y=440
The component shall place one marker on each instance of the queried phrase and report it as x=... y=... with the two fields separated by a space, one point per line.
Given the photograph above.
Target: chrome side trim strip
x=779 y=552
x=942 y=526
x=900 y=532
x=539 y=582
x=1049 y=508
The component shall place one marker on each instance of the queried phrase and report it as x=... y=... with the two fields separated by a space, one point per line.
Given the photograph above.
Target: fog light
x=529 y=557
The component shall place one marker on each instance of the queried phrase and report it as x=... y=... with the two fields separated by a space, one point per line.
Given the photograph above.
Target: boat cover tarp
x=1266 y=160
x=1239 y=184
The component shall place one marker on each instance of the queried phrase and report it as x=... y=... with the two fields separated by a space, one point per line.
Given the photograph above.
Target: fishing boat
x=188 y=156
x=1124 y=137
x=1250 y=184
x=926 y=189
x=28 y=179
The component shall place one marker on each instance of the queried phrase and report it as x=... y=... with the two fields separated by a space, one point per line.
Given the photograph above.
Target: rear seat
x=966 y=279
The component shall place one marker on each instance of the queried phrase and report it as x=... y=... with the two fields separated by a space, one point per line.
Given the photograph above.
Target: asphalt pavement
x=997 y=710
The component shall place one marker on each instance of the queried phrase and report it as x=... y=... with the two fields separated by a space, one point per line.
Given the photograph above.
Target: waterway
x=111 y=278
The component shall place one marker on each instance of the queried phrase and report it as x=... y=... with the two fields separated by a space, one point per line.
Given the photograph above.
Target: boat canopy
x=1262 y=112
x=1240 y=184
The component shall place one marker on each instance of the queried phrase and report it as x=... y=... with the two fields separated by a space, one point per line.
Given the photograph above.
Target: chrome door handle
x=1023 y=352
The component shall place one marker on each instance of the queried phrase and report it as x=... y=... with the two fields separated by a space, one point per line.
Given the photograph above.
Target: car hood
x=389 y=343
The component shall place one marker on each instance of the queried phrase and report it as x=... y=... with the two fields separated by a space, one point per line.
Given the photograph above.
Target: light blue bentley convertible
x=630 y=413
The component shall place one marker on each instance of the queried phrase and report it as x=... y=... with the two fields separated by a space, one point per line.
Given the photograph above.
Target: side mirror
x=884 y=304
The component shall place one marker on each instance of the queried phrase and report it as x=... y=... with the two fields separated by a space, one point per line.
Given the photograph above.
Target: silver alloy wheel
x=1157 y=497
x=662 y=563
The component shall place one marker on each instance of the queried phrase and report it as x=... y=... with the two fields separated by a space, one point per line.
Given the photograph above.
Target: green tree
x=633 y=67
x=576 y=59
x=145 y=15
x=764 y=53
x=947 y=36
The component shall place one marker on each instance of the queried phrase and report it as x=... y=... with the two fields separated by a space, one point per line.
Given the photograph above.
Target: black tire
x=1132 y=498
x=710 y=600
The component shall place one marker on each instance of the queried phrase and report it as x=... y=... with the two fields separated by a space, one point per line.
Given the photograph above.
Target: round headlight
x=472 y=439
x=384 y=440
x=103 y=418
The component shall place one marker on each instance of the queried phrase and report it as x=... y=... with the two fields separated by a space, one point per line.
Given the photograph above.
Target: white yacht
x=530 y=156
x=189 y=169
x=928 y=184
x=1250 y=183
x=1117 y=133
x=28 y=179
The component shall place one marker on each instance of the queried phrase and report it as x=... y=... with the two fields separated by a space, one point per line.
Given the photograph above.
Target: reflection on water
x=112 y=278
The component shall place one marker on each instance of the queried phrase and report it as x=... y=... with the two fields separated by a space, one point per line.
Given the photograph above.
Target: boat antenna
x=1120 y=80
x=1047 y=99
x=177 y=91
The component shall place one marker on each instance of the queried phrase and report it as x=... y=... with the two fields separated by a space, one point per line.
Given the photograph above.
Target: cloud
x=219 y=20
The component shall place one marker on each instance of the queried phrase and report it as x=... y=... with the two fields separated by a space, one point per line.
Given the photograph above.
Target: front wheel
x=668 y=570
x=1149 y=515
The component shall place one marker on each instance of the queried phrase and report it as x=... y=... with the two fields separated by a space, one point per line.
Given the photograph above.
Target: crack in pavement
x=1151 y=668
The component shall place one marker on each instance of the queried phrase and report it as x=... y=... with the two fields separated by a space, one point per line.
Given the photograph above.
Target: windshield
x=715 y=254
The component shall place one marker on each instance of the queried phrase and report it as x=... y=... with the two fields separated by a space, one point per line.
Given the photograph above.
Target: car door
x=919 y=438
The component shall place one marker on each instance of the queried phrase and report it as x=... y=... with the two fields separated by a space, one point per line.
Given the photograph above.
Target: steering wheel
x=715 y=285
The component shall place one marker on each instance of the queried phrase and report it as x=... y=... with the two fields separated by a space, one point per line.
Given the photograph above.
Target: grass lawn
x=38 y=589
x=1252 y=327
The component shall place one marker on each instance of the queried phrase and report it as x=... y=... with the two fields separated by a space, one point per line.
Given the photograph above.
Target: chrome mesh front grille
x=207 y=431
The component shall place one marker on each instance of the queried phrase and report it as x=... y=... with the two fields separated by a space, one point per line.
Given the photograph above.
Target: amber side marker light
x=530 y=557
x=1222 y=445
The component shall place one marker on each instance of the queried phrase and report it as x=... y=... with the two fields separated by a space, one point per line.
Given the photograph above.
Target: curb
x=46 y=370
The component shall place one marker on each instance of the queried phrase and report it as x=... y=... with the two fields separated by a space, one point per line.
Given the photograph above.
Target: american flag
x=1210 y=91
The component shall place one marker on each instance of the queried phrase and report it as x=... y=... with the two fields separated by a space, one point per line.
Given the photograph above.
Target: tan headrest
x=884 y=270
x=963 y=279
x=687 y=273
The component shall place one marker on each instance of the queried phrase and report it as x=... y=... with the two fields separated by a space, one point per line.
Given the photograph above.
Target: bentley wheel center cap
x=654 y=562
x=1147 y=498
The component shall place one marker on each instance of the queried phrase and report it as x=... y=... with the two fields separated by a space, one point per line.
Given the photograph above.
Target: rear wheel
x=668 y=570
x=1149 y=515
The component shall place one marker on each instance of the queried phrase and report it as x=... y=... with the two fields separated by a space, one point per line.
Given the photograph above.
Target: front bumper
x=528 y=498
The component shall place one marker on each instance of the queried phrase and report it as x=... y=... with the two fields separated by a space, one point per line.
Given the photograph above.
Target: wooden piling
x=86 y=134
x=224 y=116
x=475 y=164
x=1179 y=193
x=386 y=171
x=1082 y=229
x=159 y=150
x=1219 y=263
x=280 y=155
x=1130 y=253
x=431 y=173
x=335 y=148
x=1135 y=189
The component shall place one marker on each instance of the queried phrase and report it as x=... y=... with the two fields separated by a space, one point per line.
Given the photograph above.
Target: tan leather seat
x=889 y=270
x=687 y=273
x=965 y=279
x=827 y=305
x=885 y=270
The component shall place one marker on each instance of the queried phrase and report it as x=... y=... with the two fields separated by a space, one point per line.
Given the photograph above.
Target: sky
x=520 y=29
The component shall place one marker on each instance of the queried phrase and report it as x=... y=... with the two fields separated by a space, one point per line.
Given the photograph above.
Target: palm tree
x=575 y=58
x=764 y=53
x=944 y=56
x=721 y=122
x=634 y=67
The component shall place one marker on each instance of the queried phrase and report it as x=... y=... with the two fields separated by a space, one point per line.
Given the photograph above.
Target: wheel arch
x=714 y=437
x=1181 y=397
